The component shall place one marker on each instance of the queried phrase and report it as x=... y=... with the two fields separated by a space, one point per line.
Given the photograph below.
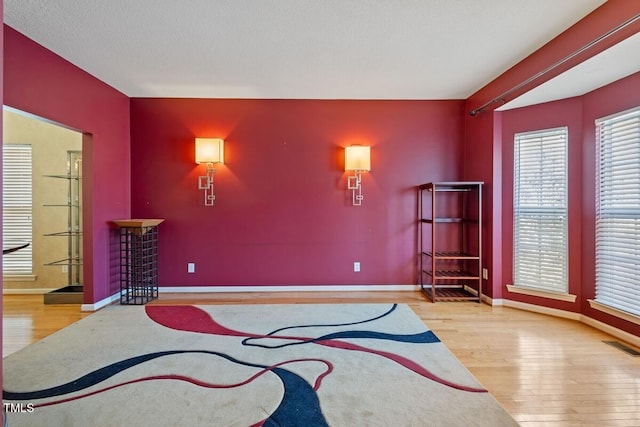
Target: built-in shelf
x=66 y=261
x=73 y=292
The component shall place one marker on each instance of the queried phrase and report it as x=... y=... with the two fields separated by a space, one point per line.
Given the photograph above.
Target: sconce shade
x=209 y=150
x=357 y=158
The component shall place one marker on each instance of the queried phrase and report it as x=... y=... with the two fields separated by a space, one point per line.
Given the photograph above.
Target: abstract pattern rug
x=245 y=365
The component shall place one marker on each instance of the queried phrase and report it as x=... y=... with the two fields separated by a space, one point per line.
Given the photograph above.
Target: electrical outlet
x=191 y=267
x=65 y=268
x=356 y=266
x=485 y=274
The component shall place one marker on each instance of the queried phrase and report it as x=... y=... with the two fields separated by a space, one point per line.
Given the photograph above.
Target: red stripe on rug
x=190 y=319
x=193 y=319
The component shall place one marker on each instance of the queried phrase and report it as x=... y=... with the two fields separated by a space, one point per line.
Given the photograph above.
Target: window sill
x=19 y=278
x=614 y=312
x=540 y=293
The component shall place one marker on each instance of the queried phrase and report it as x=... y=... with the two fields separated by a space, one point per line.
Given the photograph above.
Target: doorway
x=56 y=209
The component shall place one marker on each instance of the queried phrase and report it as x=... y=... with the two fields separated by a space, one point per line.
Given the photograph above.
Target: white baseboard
x=202 y=289
x=211 y=289
x=490 y=301
x=613 y=331
x=542 y=310
x=41 y=291
x=100 y=304
x=622 y=335
x=311 y=288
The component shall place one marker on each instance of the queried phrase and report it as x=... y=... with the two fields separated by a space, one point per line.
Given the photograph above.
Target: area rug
x=245 y=365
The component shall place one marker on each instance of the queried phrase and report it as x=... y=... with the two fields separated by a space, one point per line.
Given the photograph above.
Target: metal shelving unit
x=450 y=240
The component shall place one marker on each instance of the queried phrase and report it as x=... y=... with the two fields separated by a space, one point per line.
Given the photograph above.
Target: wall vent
x=623 y=347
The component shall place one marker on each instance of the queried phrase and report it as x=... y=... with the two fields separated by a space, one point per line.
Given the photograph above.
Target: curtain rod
x=502 y=97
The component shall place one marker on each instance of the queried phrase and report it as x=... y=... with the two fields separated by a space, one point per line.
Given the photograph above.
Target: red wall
x=283 y=215
x=483 y=143
x=579 y=114
x=1 y=129
x=41 y=83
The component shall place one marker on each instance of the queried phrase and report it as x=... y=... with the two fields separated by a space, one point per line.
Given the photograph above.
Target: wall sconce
x=209 y=151
x=357 y=158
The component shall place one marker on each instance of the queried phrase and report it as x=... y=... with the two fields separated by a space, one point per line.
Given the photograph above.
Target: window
x=618 y=211
x=540 y=210
x=17 y=208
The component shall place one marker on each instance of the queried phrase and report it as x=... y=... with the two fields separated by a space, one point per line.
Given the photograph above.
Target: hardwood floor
x=545 y=371
x=25 y=320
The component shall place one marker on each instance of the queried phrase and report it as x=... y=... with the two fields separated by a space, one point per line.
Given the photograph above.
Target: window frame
x=617 y=219
x=540 y=264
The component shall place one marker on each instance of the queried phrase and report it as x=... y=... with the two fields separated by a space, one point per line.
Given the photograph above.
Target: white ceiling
x=308 y=49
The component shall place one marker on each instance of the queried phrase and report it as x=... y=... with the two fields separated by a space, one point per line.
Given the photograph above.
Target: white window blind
x=540 y=210
x=17 y=208
x=618 y=212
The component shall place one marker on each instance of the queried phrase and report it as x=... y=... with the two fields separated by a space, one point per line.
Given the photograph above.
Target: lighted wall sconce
x=209 y=151
x=357 y=158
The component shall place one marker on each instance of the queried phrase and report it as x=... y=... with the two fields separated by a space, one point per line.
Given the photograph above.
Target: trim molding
x=620 y=334
x=211 y=289
x=613 y=331
x=614 y=312
x=540 y=293
x=101 y=304
x=542 y=310
x=490 y=301
x=311 y=288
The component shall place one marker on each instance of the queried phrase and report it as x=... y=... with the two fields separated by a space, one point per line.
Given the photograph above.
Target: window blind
x=540 y=210
x=618 y=211
x=17 y=208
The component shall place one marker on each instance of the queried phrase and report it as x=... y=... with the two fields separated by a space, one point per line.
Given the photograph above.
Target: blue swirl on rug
x=331 y=325
x=297 y=394
x=299 y=406
x=426 y=337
